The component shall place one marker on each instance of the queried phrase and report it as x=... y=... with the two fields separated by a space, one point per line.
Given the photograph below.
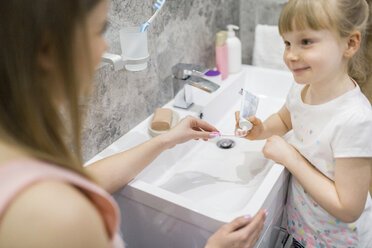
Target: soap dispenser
x=222 y=62
x=234 y=48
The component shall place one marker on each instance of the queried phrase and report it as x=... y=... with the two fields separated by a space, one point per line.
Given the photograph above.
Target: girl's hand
x=279 y=150
x=190 y=128
x=241 y=232
x=252 y=134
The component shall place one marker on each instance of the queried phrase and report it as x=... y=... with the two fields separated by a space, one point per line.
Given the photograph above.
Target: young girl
x=329 y=151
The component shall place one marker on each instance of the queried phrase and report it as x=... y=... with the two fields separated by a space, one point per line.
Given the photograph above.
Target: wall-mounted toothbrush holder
x=134 y=49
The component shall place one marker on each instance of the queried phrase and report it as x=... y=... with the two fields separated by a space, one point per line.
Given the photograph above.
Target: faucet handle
x=183 y=71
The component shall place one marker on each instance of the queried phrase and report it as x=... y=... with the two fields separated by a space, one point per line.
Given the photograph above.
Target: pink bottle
x=222 y=54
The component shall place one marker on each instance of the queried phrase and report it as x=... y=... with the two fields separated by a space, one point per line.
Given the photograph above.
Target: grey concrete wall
x=184 y=31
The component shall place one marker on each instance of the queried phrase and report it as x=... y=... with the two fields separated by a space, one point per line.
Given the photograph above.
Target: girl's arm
x=277 y=124
x=118 y=170
x=343 y=198
x=352 y=179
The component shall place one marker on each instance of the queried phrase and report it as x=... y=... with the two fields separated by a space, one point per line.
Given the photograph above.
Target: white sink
x=188 y=192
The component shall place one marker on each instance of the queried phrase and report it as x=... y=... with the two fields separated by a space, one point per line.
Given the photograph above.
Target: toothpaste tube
x=248 y=108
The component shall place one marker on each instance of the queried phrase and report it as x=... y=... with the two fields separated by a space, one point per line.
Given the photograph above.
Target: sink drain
x=226 y=144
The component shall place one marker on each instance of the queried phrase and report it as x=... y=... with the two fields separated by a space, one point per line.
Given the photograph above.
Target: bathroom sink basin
x=189 y=191
x=221 y=179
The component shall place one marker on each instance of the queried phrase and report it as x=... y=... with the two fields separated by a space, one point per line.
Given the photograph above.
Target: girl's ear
x=353 y=44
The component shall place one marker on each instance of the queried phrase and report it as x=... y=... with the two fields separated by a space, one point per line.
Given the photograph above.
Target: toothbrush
x=157 y=6
x=228 y=135
x=231 y=135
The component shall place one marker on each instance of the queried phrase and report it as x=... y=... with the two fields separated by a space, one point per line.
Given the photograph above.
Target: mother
x=48 y=52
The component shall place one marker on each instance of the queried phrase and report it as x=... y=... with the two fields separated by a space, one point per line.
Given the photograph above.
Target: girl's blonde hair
x=341 y=16
x=30 y=116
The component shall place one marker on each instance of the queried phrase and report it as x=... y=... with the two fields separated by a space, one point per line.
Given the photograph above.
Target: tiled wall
x=184 y=31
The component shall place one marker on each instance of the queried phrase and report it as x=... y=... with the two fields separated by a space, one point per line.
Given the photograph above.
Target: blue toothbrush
x=157 y=6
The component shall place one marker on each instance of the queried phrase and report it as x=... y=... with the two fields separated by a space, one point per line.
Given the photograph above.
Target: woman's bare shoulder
x=52 y=214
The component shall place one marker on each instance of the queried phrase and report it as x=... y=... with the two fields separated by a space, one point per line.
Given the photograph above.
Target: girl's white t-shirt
x=340 y=128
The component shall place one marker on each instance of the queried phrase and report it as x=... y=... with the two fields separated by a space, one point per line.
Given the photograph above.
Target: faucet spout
x=202 y=84
x=186 y=75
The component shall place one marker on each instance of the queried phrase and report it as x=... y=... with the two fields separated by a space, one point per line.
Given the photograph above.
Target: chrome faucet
x=185 y=76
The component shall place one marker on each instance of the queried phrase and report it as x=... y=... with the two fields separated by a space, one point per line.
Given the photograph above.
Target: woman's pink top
x=19 y=175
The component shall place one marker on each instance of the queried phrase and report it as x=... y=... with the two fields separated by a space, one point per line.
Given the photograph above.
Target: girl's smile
x=300 y=69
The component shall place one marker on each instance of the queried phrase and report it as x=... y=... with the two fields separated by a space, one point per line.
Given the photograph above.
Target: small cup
x=134 y=47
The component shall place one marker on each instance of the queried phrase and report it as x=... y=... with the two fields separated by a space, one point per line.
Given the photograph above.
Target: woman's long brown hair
x=30 y=116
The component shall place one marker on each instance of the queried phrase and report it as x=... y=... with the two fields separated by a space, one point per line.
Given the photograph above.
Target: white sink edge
x=255 y=203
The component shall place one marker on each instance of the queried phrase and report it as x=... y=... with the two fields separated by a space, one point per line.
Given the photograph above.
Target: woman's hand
x=252 y=134
x=190 y=128
x=243 y=232
x=279 y=150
